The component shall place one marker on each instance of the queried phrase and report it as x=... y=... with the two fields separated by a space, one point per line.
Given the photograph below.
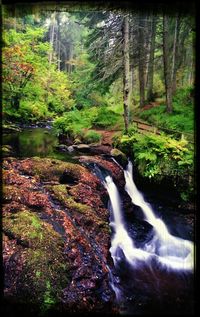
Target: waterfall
x=146 y=268
x=174 y=252
x=121 y=241
x=170 y=251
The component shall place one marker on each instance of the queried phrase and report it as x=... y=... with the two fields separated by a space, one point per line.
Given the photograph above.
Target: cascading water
x=163 y=251
x=121 y=240
x=172 y=251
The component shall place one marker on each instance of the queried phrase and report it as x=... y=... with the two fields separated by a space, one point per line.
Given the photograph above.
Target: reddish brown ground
x=77 y=212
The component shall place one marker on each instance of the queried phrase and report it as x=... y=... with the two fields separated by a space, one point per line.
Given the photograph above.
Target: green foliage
x=30 y=111
x=73 y=122
x=158 y=86
x=91 y=137
x=132 y=129
x=182 y=118
x=106 y=118
x=32 y=89
x=159 y=156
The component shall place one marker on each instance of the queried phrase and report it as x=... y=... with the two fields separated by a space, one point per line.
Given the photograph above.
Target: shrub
x=92 y=136
x=106 y=118
x=74 y=122
x=159 y=157
x=33 y=110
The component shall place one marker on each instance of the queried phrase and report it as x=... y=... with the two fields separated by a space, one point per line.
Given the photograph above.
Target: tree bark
x=174 y=55
x=141 y=61
x=151 y=61
x=52 y=34
x=131 y=83
x=58 y=40
x=126 y=66
x=166 y=62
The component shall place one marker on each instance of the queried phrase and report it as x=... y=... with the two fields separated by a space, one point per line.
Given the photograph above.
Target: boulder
x=82 y=147
x=119 y=156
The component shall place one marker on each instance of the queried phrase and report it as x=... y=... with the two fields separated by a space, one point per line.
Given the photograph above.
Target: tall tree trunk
x=59 y=56
x=58 y=40
x=191 y=73
x=151 y=61
x=174 y=54
x=131 y=77
x=126 y=88
x=131 y=65
x=166 y=62
x=52 y=35
x=147 y=34
x=141 y=61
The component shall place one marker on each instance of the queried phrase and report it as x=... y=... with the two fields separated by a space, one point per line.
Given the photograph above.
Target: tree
x=141 y=59
x=166 y=61
x=126 y=88
x=32 y=87
x=174 y=53
x=151 y=60
x=16 y=74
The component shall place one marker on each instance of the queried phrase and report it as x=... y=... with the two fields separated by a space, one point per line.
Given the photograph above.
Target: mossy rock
x=45 y=271
x=60 y=193
x=52 y=170
x=119 y=156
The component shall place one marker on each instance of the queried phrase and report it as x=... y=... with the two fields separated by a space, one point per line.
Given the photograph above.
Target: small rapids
x=162 y=253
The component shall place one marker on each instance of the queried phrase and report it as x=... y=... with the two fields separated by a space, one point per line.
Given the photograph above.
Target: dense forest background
x=106 y=69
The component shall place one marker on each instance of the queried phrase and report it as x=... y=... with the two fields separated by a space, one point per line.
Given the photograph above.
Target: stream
x=150 y=274
x=37 y=141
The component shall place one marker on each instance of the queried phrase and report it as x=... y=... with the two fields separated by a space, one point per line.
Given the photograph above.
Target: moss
x=51 y=170
x=120 y=156
x=60 y=193
x=44 y=261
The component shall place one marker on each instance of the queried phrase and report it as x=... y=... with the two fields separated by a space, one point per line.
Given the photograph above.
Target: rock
x=119 y=156
x=70 y=148
x=82 y=147
x=43 y=267
x=60 y=233
x=68 y=178
x=100 y=149
x=62 y=147
x=108 y=164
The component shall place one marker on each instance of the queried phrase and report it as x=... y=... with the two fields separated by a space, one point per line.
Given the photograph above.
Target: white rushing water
x=170 y=251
